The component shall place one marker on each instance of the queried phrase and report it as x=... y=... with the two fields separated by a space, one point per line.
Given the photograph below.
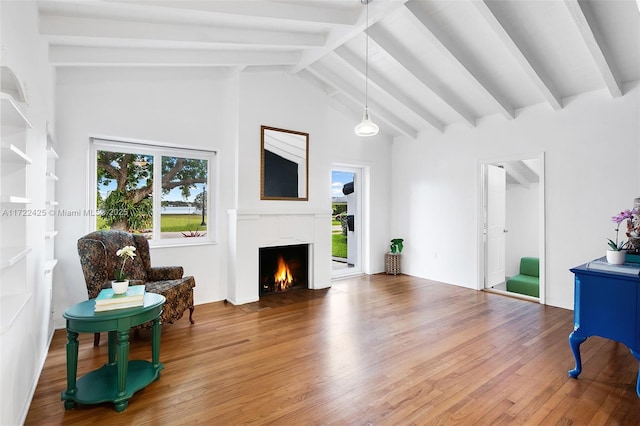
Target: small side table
x=392 y=263
x=119 y=378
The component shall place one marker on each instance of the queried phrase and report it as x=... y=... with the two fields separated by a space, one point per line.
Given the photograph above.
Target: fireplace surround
x=251 y=230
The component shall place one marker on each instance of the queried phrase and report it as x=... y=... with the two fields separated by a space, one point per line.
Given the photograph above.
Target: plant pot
x=120 y=287
x=616 y=257
x=392 y=263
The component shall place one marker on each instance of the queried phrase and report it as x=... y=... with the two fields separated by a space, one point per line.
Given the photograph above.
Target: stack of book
x=628 y=268
x=107 y=300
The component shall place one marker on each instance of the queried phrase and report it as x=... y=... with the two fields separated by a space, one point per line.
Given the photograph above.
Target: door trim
x=361 y=173
x=480 y=214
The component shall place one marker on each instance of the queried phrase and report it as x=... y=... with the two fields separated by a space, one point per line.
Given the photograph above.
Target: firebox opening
x=283 y=268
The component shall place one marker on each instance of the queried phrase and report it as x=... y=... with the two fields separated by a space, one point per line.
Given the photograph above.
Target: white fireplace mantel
x=251 y=229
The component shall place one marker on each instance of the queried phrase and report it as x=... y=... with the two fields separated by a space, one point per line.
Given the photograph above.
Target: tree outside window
x=126 y=187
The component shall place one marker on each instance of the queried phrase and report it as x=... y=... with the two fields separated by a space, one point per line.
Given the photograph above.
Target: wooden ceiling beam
x=405 y=59
x=542 y=82
x=119 y=56
x=339 y=36
x=263 y=11
x=595 y=44
x=424 y=22
x=375 y=109
x=356 y=66
x=109 y=30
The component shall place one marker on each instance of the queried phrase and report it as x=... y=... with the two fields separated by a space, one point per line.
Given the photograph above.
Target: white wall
x=213 y=110
x=188 y=107
x=284 y=101
x=591 y=150
x=522 y=223
x=25 y=343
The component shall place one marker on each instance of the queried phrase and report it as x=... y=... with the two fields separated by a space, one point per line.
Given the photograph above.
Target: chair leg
x=96 y=339
x=191 y=309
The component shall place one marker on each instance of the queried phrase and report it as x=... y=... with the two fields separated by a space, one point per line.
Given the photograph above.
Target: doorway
x=511 y=222
x=347 y=224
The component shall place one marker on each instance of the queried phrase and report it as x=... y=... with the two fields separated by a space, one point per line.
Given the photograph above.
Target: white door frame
x=480 y=209
x=361 y=216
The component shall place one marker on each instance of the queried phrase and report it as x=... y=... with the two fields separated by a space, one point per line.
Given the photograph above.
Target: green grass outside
x=181 y=222
x=338 y=245
x=170 y=223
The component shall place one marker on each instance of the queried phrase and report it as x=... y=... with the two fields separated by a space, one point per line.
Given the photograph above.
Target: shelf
x=14 y=199
x=11 y=307
x=50 y=235
x=51 y=176
x=13 y=255
x=52 y=152
x=15 y=155
x=49 y=265
x=12 y=114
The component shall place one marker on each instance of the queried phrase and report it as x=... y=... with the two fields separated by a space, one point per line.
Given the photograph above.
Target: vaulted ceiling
x=432 y=64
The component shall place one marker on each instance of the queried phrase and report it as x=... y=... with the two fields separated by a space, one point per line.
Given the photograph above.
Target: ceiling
x=521 y=172
x=432 y=64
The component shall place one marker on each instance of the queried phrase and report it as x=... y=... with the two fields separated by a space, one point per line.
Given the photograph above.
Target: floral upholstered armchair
x=98 y=258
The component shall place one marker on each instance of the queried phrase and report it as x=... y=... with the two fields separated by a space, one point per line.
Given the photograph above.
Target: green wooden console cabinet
x=119 y=378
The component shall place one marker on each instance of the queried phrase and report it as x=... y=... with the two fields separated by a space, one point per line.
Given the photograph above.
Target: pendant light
x=366 y=126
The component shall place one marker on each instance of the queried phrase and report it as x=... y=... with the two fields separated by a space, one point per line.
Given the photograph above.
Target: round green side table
x=119 y=378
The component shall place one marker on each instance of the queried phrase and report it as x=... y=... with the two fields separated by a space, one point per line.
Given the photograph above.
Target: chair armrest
x=163 y=273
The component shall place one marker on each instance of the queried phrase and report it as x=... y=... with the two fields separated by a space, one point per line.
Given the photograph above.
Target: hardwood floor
x=372 y=350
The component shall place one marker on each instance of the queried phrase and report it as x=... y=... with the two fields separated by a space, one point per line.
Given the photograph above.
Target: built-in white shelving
x=50 y=235
x=14 y=221
x=12 y=199
x=13 y=255
x=10 y=307
x=49 y=265
x=50 y=196
x=12 y=114
x=14 y=153
x=51 y=152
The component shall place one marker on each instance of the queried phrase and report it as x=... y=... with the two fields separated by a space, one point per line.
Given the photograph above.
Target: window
x=173 y=209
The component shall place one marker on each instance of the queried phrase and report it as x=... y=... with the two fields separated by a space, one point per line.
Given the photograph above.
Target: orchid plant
x=126 y=252
x=618 y=219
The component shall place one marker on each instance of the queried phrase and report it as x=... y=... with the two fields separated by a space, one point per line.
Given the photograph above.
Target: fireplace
x=283 y=268
x=251 y=230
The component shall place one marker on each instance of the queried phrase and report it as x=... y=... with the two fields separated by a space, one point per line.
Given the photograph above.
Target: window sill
x=174 y=245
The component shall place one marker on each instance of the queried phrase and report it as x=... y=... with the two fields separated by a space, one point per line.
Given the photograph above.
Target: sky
x=174 y=195
x=338 y=179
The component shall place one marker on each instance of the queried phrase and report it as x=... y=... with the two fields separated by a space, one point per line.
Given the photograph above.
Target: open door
x=346 y=233
x=511 y=222
x=496 y=189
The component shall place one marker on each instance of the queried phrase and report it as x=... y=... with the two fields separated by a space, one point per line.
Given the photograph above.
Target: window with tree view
x=128 y=198
x=184 y=182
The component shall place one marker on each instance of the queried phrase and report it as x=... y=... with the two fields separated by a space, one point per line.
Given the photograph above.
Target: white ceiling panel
x=432 y=63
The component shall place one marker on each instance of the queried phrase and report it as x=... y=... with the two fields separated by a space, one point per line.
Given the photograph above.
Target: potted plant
x=392 y=259
x=120 y=284
x=616 y=253
x=396 y=245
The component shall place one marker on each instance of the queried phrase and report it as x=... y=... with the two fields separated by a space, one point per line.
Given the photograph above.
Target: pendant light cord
x=366 y=63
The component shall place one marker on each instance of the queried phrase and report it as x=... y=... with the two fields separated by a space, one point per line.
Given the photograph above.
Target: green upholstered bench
x=527 y=281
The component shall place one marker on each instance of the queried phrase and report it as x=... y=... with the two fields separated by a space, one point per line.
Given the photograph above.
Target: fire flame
x=282 y=277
